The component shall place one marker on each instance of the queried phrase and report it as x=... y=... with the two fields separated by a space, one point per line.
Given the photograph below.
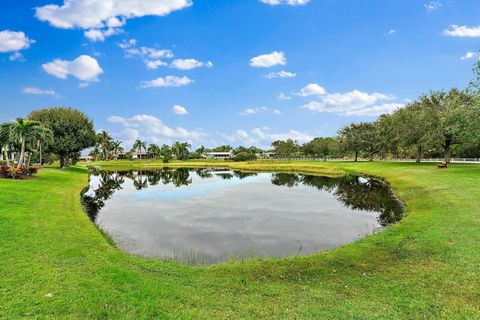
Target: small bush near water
x=17 y=173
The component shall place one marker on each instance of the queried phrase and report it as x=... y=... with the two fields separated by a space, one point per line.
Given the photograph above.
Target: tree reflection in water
x=355 y=192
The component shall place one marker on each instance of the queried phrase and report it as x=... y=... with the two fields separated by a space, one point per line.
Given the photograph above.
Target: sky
x=238 y=72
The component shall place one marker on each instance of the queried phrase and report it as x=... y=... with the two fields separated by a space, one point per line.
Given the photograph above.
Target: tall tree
x=139 y=145
x=350 y=139
x=153 y=150
x=369 y=138
x=72 y=131
x=5 y=140
x=454 y=118
x=180 y=150
x=286 y=148
x=116 y=147
x=166 y=153
x=321 y=147
x=24 y=131
x=104 y=140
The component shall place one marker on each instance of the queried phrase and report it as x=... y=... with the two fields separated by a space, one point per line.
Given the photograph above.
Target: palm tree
x=116 y=147
x=5 y=129
x=104 y=141
x=24 y=130
x=139 y=145
x=43 y=136
x=154 y=150
x=166 y=153
x=180 y=150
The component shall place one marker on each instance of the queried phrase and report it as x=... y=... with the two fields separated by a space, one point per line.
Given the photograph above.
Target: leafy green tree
x=350 y=138
x=166 y=153
x=286 y=149
x=369 y=138
x=389 y=134
x=198 y=153
x=321 y=147
x=72 y=131
x=224 y=148
x=454 y=118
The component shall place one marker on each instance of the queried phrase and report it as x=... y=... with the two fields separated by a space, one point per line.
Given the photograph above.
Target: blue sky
x=230 y=71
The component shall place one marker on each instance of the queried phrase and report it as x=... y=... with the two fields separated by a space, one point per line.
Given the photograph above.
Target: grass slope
x=55 y=264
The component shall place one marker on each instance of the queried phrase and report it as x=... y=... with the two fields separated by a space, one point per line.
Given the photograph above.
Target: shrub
x=244 y=156
x=17 y=173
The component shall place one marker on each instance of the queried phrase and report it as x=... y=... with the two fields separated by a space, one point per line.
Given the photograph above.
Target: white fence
x=453 y=160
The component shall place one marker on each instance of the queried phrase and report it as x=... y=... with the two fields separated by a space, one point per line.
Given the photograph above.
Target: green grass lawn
x=55 y=264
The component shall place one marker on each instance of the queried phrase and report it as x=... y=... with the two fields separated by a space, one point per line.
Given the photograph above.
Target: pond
x=208 y=215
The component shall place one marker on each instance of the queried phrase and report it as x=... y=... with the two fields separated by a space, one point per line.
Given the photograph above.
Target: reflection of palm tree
x=181 y=177
x=109 y=183
x=140 y=182
x=166 y=176
x=154 y=177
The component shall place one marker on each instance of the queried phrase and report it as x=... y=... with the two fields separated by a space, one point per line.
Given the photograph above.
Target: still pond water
x=203 y=216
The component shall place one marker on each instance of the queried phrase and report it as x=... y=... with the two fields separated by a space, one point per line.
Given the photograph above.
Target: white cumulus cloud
x=281 y=74
x=107 y=16
x=354 y=103
x=469 y=55
x=177 y=109
x=189 y=64
x=263 y=137
x=312 y=89
x=283 y=96
x=84 y=68
x=286 y=2
x=16 y=56
x=151 y=129
x=11 y=41
x=269 y=60
x=166 y=82
x=462 y=31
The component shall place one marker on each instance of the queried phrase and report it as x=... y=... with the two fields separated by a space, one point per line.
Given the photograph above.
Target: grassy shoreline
x=55 y=264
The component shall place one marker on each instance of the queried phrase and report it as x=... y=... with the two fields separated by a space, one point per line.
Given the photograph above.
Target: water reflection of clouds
x=197 y=189
x=180 y=212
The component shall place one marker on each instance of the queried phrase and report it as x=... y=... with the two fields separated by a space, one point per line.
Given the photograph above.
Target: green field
x=55 y=264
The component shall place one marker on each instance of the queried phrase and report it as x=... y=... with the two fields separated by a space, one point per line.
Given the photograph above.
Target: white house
x=135 y=155
x=85 y=159
x=217 y=155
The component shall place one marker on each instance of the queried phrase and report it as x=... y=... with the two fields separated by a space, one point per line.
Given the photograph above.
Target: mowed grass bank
x=55 y=264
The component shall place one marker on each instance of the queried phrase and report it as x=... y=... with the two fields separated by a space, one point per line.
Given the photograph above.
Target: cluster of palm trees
x=24 y=138
x=107 y=148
